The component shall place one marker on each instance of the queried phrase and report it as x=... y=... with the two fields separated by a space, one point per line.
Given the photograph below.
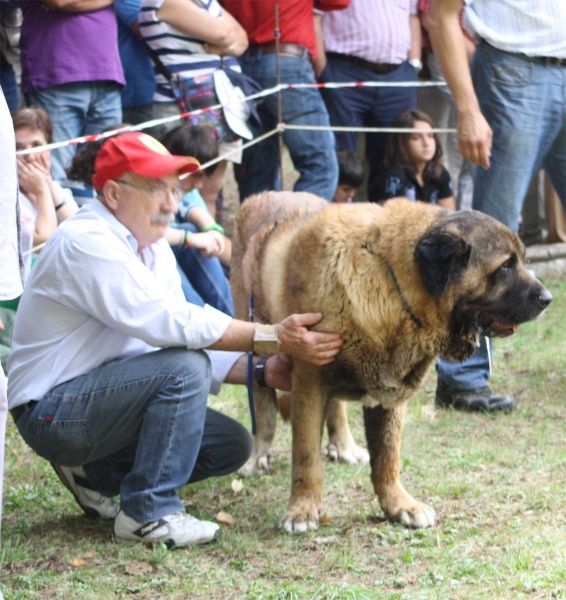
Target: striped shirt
x=531 y=27
x=182 y=55
x=375 y=30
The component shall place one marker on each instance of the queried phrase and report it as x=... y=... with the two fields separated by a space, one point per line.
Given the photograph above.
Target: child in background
x=412 y=166
x=204 y=268
x=351 y=175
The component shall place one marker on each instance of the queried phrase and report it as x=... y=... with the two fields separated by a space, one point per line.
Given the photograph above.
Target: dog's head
x=477 y=264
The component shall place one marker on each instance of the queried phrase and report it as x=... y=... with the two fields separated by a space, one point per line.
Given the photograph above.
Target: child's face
x=421 y=147
x=194 y=182
x=344 y=193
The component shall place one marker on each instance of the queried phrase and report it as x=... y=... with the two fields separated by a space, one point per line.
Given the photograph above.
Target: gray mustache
x=166 y=218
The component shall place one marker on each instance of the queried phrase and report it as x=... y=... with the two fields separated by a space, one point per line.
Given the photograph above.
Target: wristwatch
x=259 y=373
x=417 y=63
x=266 y=340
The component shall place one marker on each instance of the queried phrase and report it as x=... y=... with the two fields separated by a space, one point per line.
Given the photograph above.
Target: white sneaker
x=178 y=529
x=92 y=503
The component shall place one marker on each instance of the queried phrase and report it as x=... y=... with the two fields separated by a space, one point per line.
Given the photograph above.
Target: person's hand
x=31 y=178
x=278 y=373
x=474 y=137
x=318 y=348
x=220 y=240
x=208 y=243
x=227 y=50
x=2 y=329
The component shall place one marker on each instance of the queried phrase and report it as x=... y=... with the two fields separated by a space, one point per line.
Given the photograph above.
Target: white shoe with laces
x=92 y=503
x=176 y=530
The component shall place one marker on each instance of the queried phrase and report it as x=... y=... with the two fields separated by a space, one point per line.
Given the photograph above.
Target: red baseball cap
x=138 y=153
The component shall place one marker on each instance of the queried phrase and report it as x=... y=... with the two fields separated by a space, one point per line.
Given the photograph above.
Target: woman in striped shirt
x=193 y=39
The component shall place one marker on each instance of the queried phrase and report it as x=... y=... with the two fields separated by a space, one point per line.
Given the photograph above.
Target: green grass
x=496 y=482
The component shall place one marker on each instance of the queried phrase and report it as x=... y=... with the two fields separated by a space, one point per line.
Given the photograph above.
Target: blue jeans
x=366 y=106
x=9 y=84
x=202 y=279
x=141 y=428
x=524 y=102
x=75 y=109
x=312 y=152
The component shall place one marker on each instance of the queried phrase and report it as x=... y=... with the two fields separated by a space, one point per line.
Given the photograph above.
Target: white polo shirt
x=90 y=299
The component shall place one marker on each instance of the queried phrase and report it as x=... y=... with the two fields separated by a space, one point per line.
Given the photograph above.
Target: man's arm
x=295 y=339
x=277 y=372
x=78 y=6
x=474 y=133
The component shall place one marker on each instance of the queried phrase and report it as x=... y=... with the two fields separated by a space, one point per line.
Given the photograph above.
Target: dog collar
x=406 y=305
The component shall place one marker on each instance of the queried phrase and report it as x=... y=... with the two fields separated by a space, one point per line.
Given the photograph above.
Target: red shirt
x=296 y=23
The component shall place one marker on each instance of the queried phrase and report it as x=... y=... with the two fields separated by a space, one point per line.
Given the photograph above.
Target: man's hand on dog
x=316 y=347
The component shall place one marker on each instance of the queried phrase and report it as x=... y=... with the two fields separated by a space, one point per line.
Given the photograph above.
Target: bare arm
x=78 y=6
x=416 y=38
x=320 y=61
x=295 y=339
x=196 y=22
x=238 y=47
x=448 y=203
x=449 y=45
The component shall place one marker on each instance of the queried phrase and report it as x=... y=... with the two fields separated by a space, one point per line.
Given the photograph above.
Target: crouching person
x=108 y=379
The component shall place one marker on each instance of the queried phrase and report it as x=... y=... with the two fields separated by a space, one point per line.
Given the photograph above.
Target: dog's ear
x=441 y=257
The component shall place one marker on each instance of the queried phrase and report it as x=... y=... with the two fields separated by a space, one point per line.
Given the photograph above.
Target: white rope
x=368 y=129
x=234 y=150
x=35 y=249
x=263 y=93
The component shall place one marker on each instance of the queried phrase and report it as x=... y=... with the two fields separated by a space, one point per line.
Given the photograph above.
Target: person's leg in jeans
x=312 y=152
x=524 y=104
x=105 y=108
x=67 y=106
x=155 y=402
x=205 y=277
x=259 y=169
x=225 y=446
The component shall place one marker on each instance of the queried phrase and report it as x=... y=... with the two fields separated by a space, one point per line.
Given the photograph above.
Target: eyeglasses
x=159 y=191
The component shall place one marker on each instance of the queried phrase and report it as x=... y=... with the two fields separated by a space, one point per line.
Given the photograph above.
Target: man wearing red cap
x=113 y=384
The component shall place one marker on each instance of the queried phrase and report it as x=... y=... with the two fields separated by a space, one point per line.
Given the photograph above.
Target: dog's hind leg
x=341 y=446
x=265 y=405
x=307 y=418
x=384 y=428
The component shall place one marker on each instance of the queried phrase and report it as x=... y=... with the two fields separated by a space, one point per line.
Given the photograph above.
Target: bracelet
x=266 y=340
x=187 y=241
x=215 y=227
x=60 y=205
x=259 y=373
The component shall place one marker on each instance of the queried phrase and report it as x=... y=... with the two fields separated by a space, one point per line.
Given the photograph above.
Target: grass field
x=496 y=482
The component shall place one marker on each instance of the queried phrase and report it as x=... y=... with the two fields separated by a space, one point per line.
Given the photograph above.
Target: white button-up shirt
x=90 y=299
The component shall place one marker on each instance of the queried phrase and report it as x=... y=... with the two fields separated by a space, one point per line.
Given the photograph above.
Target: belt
x=547 y=61
x=21 y=409
x=380 y=68
x=284 y=49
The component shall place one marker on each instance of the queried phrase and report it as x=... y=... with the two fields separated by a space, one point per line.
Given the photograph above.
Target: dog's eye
x=509 y=263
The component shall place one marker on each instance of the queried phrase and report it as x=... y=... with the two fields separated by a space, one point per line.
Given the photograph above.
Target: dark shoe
x=478 y=399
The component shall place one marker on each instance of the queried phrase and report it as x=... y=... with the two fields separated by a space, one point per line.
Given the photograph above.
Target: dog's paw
x=352 y=455
x=294 y=522
x=417 y=516
x=256 y=465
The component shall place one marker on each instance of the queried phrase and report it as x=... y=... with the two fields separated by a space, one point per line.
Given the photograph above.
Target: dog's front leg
x=384 y=428
x=265 y=405
x=307 y=418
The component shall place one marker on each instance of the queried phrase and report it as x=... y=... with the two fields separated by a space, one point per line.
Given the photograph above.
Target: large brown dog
x=403 y=283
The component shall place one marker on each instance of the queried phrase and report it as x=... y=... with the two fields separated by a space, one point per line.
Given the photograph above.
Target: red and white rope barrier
x=267 y=92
